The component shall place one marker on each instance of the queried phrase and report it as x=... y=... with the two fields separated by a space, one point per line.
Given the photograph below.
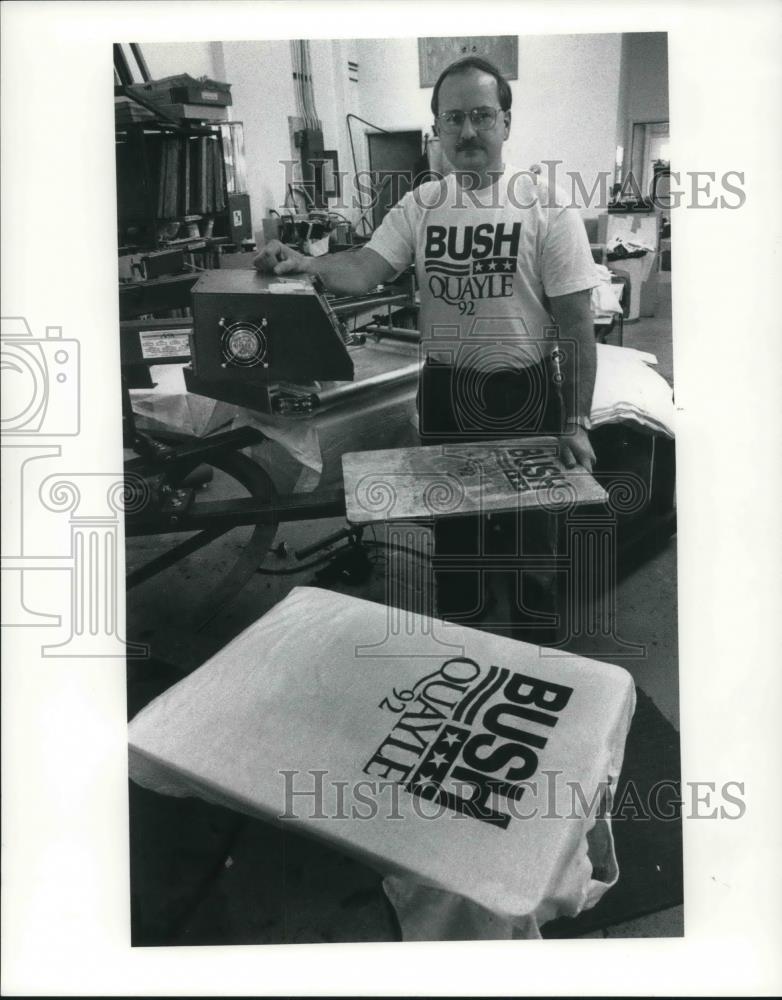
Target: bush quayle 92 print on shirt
x=424 y=750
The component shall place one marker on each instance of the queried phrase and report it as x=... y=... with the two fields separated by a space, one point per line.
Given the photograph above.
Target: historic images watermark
x=547 y=184
x=466 y=740
x=314 y=795
x=41 y=406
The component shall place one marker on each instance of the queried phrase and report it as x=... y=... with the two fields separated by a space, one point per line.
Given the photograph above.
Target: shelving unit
x=169 y=177
x=178 y=179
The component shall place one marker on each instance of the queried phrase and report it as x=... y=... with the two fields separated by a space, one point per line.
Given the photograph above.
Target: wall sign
x=434 y=54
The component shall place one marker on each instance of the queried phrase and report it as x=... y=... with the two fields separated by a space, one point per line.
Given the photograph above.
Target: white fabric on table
x=323 y=683
x=627 y=390
x=428 y=914
x=605 y=297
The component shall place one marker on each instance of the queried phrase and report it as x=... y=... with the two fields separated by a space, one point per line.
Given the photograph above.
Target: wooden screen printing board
x=411 y=484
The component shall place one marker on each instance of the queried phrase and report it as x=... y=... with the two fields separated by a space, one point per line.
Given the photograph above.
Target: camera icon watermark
x=40 y=381
x=490 y=378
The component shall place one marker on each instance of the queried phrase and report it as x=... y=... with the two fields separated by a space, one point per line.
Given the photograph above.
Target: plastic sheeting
x=170 y=407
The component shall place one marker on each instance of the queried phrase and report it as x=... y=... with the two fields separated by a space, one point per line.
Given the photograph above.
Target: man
x=460 y=231
x=496 y=258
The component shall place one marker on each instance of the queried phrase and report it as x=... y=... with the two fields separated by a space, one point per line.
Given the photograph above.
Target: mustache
x=462 y=147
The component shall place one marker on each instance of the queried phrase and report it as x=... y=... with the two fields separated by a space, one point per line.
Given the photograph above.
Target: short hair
x=475 y=62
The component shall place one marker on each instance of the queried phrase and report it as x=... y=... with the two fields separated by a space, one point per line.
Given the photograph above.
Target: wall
x=264 y=99
x=171 y=58
x=565 y=107
x=261 y=81
x=390 y=95
x=646 y=57
x=644 y=93
x=336 y=95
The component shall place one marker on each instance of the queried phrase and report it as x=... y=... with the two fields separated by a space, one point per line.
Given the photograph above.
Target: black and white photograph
x=401 y=425
x=388 y=560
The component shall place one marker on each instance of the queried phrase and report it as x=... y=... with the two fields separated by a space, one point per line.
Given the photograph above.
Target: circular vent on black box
x=244 y=344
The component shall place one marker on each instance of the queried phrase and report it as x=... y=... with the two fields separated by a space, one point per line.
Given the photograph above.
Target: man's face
x=470 y=149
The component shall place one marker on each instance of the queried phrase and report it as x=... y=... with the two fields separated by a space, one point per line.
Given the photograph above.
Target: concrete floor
x=322 y=896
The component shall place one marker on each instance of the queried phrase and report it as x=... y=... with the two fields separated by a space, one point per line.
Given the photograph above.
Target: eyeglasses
x=482 y=119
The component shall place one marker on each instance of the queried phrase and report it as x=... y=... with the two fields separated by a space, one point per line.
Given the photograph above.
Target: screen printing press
x=277 y=354
x=266 y=384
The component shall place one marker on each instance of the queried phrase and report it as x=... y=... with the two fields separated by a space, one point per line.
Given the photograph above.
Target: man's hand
x=354 y=272
x=575 y=449
x=278 y=258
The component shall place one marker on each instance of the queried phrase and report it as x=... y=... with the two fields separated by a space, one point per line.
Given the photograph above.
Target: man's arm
x=573 y=315
x=352 y=272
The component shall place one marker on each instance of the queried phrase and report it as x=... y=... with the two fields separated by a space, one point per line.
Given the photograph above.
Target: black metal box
x=254 y=329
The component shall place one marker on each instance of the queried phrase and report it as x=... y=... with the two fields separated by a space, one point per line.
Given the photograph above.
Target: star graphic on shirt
x=421 y=781
x=492 y=265
x=438 y=759
x=478 y=267
x=508 y=265
x=452 y=738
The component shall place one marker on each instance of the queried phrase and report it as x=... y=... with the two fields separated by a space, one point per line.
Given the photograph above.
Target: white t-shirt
x=485 y=262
